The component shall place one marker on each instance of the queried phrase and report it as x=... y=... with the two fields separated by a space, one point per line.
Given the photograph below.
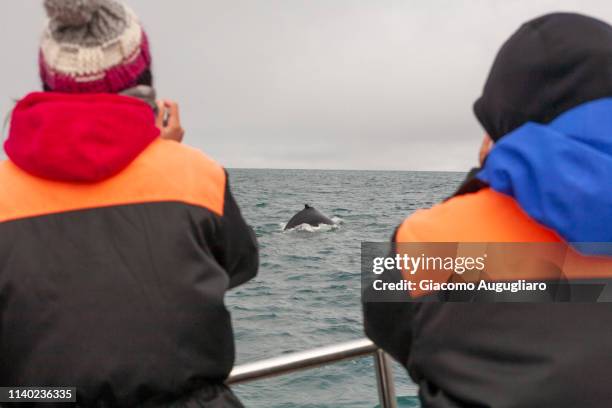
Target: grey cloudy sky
x=342 y=84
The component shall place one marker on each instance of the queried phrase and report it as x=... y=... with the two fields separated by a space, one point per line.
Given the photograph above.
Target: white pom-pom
x=72 y=13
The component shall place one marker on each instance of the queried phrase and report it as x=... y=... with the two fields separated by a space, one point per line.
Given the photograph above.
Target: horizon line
x=324 y=169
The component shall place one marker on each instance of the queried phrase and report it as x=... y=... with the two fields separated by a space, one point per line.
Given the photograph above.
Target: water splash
x=309 y=228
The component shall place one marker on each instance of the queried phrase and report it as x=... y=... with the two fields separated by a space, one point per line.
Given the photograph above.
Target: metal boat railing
x=308 y=359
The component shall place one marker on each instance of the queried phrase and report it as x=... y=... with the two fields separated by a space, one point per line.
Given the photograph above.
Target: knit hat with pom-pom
x=92 y=46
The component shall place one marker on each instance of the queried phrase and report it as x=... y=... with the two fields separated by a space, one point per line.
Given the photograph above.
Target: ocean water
x=307 y=293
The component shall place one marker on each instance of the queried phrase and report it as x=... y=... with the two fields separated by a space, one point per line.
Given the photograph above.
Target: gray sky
x=342 y=84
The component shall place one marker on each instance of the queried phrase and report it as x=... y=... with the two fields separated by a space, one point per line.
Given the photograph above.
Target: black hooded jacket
x=116 y=251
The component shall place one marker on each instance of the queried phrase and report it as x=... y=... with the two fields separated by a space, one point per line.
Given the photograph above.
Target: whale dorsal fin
x=306 y=206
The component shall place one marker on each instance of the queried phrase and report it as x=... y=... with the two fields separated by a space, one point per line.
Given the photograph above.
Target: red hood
x=78 y=138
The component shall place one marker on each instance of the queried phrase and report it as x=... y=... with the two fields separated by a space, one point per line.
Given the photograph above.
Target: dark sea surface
x=308 y=288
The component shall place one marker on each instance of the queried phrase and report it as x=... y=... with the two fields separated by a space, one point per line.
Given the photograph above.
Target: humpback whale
x=309 y=215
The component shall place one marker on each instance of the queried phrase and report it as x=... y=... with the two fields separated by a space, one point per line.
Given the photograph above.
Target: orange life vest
x=490 y=217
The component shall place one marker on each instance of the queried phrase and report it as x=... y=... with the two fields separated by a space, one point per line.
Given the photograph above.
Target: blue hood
x=561 y=173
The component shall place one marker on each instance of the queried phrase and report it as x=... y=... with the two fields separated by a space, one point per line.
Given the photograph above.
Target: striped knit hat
x=92 y=46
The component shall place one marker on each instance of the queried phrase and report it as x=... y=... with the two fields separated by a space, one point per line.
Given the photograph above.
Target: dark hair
x=146 y=78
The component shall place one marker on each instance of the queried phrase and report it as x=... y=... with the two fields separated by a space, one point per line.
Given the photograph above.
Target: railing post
x=384 y=380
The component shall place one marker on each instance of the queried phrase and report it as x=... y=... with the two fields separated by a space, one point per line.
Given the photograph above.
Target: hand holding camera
x=168 y=121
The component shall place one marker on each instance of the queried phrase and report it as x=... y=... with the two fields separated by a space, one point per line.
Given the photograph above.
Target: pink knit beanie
x=92 y=46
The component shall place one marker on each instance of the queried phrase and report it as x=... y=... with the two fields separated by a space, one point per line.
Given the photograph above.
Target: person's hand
x=485 y=148
x=169 y=121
